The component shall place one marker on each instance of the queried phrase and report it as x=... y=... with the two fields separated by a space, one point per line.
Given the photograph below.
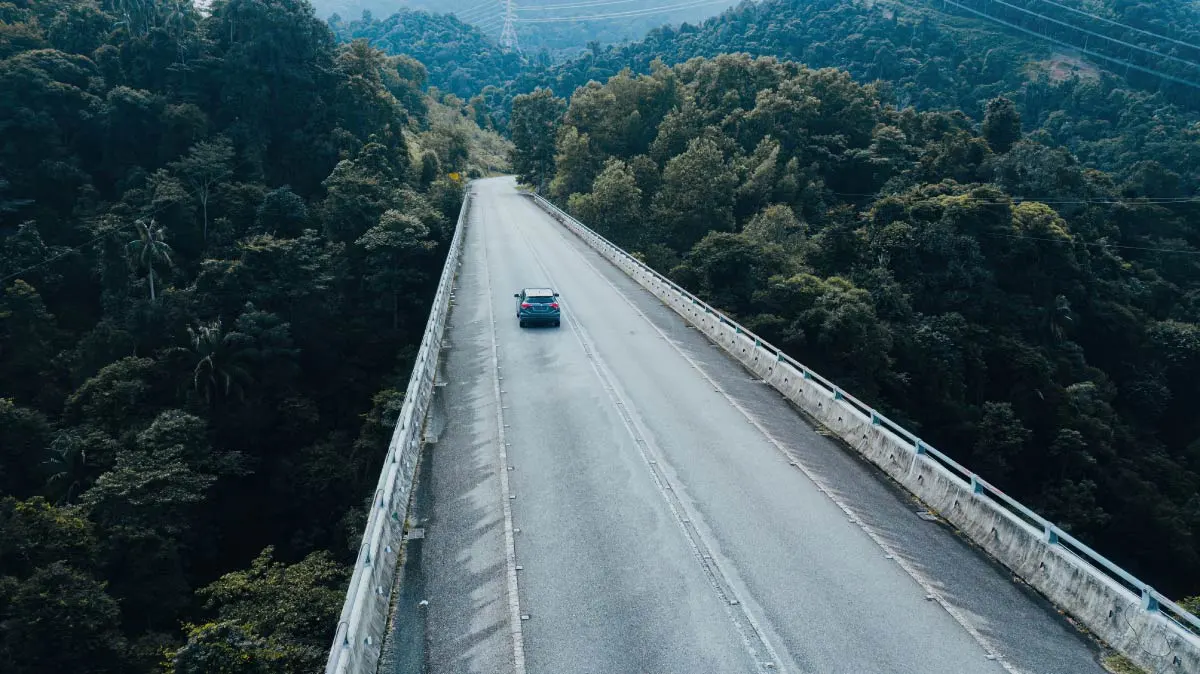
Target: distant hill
x=556 y=26
x=932 y=59
x=460 y=58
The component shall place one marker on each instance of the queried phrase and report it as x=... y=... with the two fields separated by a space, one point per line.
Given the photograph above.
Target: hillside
x=931 y=60
x=556 y=27
x=219 y=236
x=1038 y=320
x=458 y=57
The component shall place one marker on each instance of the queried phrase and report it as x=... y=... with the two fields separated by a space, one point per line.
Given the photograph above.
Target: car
x=538 y=305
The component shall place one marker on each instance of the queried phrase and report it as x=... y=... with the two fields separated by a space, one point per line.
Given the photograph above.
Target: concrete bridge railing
x=363 y=623
x=1124 y=611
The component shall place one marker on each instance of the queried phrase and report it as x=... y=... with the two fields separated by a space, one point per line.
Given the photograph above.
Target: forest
x=542 y=26
x=220 y=231
x=1035 y=318
x=459 y=57
x=931 y=60
x=219 y=238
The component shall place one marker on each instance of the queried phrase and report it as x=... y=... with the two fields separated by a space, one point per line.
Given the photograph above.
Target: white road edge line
x=510 y=547
x=984 y=642
x=732 y=603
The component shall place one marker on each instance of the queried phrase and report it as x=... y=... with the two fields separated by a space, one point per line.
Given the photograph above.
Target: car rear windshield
x=539 y=299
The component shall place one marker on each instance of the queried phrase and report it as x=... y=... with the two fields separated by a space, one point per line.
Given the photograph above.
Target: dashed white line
x=990 y=651
x=506 y=498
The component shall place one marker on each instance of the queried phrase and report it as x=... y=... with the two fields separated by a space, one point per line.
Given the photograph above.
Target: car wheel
x=557 y=323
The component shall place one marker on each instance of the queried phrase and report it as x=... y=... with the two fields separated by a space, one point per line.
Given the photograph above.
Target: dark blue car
x=538 y=305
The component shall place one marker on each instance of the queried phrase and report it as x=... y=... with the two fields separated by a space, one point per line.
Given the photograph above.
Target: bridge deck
x=662 y=529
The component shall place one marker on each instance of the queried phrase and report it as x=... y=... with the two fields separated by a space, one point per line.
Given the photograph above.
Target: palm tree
x=68 y=467
x=219 y=367
x=150 y=248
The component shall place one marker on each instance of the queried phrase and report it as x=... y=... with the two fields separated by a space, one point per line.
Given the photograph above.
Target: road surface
x=635 y=484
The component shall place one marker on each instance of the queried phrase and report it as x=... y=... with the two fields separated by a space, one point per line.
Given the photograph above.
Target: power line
x=495 y=11
x=116 y=230
x=544 y=8
x=478 y=11
x=1117 y=23
x=1099 y=35
x=1097 y=244
x=508 y=32
x=1137 y=201
x=640 y=12
x=58 y=256
x=1082 y=50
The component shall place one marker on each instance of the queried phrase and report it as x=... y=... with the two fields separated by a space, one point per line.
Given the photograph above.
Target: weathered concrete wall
x=1082 y=589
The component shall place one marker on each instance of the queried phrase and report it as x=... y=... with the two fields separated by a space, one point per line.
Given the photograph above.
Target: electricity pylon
x=508 y=34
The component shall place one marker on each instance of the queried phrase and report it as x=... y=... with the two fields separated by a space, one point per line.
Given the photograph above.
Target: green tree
x=205 y=166
x=220 y=372
x=730 y=268
x=28 y=336
x=776 y=224
x=1002 y=438
x=613 y=207
x=1001 y=124
x=36 y=534
x=155 y=491
x=534 y=130
x=578 y=164
x=25 y=436
x=79 y=630
x=430 y=168
x=150 y=249
x=696 y=195
x=115 y=398
x=295 y=604
x=397 y=258
x=282 y=213
x=230 y=648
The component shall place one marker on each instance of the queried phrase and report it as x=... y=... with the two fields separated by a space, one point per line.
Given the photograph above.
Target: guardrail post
x=875 y=418
x=837 y=392
x=1049 y=534
x=807 y=374
x=919 y=447
x=1149 y=601
x=976 y=485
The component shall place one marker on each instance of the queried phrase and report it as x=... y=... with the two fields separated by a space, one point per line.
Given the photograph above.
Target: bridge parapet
x=362 y=626
x=1119 y=608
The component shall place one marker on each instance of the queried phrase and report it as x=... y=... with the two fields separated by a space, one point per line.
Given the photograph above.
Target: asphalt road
x=656 y=528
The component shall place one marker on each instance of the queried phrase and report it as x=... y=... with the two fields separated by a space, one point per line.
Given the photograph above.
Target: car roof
x=539 y=292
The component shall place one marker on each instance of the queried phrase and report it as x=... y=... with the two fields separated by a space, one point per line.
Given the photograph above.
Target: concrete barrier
x=1126 y=613
x=363 y=624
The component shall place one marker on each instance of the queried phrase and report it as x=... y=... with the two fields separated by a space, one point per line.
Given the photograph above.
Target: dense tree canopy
x=459 y=57
x=214 y=242
x=1034 y=318
x=561 y=30
x=929 y=57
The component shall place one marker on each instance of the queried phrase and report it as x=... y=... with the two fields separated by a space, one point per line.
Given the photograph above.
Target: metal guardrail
x=360 y=632
x=1151 y=599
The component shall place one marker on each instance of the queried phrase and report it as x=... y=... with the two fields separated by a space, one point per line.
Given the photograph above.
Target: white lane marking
x=510 y=547
x=990 y=649
x=747 y=627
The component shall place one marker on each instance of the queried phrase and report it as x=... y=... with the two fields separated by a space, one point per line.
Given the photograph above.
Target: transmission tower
x=508 y=34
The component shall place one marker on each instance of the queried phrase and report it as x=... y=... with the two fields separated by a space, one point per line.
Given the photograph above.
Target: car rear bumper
x=540 y=317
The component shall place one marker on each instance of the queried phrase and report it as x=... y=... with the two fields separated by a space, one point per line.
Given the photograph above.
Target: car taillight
x=526 y=305
x=554 y=305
